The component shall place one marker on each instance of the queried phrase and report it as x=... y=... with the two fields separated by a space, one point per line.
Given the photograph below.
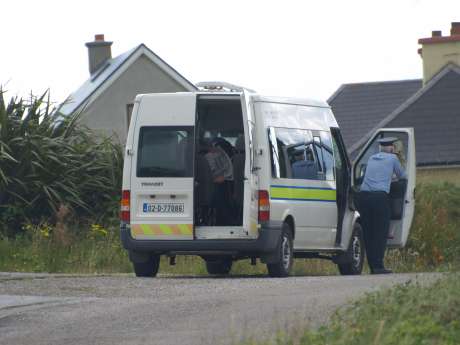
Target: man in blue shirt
x=373 y=202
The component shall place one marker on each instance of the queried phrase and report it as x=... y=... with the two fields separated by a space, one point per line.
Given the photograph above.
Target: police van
x=289 y=194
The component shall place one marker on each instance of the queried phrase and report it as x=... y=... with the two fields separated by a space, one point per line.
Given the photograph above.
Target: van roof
x=260 y=98
x=290 y=100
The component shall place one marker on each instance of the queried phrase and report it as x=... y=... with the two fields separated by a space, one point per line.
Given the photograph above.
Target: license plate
x=163 y=208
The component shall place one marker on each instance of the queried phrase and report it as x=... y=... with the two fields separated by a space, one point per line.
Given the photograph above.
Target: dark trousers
x=222 y=203
x=374 y=208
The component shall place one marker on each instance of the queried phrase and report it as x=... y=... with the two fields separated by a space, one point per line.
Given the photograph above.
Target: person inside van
x=304 y=167
x=222 y=175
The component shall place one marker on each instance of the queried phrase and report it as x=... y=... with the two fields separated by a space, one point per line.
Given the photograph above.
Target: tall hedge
x=48 y=161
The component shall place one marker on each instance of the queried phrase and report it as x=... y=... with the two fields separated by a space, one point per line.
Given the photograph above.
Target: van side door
x=251 y=182
x=402 y=193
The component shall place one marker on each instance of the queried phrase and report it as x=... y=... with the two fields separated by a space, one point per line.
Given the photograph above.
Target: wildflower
x=98 y=231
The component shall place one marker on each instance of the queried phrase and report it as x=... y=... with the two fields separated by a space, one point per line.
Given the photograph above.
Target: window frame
x=189 y=129
x=309 y=137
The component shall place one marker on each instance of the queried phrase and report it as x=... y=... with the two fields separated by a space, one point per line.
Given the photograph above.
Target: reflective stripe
x=302 y=193
x=161 y=229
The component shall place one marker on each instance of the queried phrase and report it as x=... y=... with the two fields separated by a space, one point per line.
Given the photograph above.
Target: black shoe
x=381 y=271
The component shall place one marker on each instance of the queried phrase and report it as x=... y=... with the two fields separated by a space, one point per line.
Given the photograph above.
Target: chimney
x=455 y=29
x=99 y=52
x=437 y=51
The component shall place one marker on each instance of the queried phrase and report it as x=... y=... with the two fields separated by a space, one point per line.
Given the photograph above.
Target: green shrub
x=48 y=162
x=435 y=234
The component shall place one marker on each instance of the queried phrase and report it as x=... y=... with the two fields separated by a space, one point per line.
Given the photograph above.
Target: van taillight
x=264 y=206
x=125 y=213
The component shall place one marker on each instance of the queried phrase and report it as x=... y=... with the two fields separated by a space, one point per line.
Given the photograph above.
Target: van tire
x=219 y=267
x=285 y=254
x=148 y=268
x=356 y=251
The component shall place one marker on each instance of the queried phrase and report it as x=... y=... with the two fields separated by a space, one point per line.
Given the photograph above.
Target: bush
x=435 y=235
x=48 y=162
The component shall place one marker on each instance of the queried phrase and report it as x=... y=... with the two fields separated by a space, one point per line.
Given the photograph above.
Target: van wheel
x=356 y=252
x=285 y=250
x=149 y=268
x=221 y=267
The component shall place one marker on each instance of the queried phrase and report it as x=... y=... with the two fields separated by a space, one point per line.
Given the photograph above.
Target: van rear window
x=165 y=151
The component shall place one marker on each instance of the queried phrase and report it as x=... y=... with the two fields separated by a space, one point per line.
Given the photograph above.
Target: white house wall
x=108 y=114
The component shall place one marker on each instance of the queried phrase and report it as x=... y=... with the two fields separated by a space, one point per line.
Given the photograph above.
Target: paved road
x=61 y=309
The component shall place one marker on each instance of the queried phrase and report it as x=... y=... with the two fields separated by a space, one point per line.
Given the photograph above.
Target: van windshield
x=165 y=151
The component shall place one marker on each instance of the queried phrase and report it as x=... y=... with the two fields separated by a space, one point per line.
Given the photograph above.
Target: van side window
x=293 y=154
x=165 y=151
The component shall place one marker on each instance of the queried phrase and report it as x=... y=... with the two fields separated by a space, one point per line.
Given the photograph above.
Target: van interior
x=219 y=161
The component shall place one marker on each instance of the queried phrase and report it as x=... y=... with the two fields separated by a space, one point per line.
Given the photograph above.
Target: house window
x=129 y=112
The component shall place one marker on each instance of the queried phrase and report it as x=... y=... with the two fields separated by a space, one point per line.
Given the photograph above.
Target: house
x=106 y=98
x=431 y=105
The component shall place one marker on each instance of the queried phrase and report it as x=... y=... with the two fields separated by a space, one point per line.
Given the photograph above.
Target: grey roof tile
x=359 y=107
x=435 y=117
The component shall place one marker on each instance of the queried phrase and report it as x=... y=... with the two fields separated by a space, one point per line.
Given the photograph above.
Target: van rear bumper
x=269 y=235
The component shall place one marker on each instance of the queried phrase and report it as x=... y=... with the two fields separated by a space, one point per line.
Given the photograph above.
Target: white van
x=289 y=194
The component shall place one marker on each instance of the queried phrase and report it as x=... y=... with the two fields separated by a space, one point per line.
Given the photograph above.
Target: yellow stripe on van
x=185 y=229
x=303 y=193
x=153 y=230
x=166 y=229
x=146 y=230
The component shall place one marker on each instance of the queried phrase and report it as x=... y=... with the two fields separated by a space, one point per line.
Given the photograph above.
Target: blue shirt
x=379 y=172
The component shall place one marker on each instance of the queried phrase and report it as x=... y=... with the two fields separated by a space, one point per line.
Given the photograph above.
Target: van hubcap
x=286 y=252
x=356 y=250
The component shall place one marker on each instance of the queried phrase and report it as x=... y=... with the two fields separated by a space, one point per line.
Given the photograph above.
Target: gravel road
x=120 y=309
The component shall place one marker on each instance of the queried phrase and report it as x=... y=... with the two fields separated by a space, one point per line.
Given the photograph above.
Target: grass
x=409 y=314
x=450 y=175
x=106 y=255
x=49 y=254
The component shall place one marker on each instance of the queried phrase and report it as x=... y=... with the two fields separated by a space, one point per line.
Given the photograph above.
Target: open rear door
x=250 y=202
x=162 y=178
x=402 y=193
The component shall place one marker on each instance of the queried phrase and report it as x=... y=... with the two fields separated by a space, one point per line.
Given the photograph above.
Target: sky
x=280 y=48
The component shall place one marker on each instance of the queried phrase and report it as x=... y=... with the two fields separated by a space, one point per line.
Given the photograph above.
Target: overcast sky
x=284 y=48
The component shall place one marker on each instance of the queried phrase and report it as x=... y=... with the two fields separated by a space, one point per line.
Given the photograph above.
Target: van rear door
x=162 y=172
x=402 y=193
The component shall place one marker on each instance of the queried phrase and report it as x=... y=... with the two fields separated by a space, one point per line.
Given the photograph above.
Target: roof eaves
x=170 y=70
x=344 y=86
x=411 y=100
x=336 y=93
